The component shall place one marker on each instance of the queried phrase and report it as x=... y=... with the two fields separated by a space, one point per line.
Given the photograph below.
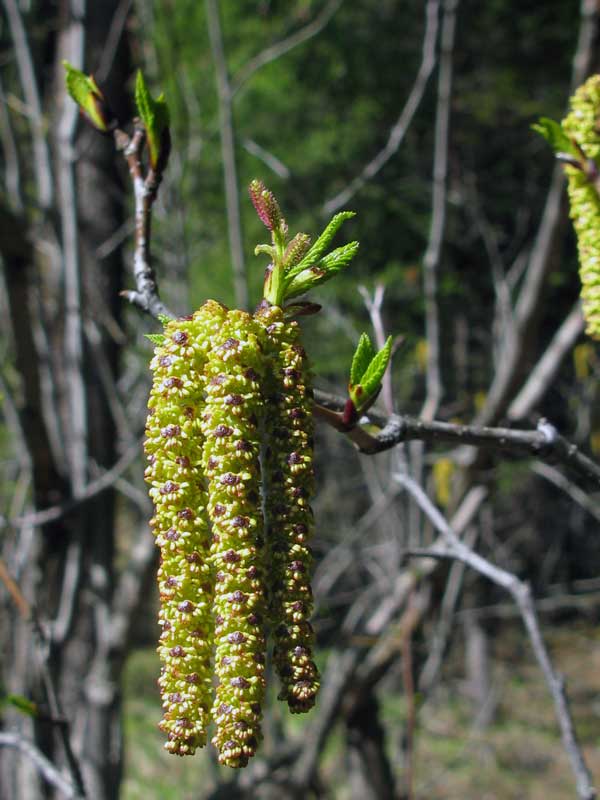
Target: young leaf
x=553 y=133
x=362 y=358
x=84 y=90
x=155 y=117
x=318 y=273
x=164 y=319
x=322 y=243
x=155 y=338
x=371 y=379
x=21 y=703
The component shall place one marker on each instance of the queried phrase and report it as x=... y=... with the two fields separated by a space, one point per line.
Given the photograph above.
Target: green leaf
x=321 y=245
x=320 y=272
x=362 y=358
x=24 y=705
x=155 y=338
x=553 y=133
x=371 y=379
x=164 y=319
x=155 y=117
x=84 y=90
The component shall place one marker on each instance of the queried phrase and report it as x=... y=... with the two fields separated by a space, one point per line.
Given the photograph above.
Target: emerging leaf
x=362 y=358
x=155 y=338
x=553 y=133
x=84 y=90
x=364 y=391
x=322 y=243
x=320 y=272
x=155 y=117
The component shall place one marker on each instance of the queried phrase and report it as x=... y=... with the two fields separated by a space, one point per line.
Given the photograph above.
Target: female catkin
x=231 y=430
x=181 y=525
x=289 y=481
x=583 y=125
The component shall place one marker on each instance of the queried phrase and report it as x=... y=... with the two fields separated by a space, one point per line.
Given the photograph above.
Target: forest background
x=416 y=115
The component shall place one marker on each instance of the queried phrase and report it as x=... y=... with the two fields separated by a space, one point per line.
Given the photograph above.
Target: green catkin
x=583 y=125
x=181 y=525
x=231 y=429
x=289 y=481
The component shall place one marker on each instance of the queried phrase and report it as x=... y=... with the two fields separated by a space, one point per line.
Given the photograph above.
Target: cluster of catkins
x=229 y=447
x=582 y=125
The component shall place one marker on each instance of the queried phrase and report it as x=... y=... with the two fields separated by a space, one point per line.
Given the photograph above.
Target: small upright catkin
x=181 y=525
x=583 y=125
x=231 y=430
x=289 y=481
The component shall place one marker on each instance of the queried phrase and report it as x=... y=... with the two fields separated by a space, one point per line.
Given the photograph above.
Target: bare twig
x=404 y=120
x=234 y=223
x=542 y=375
x=431 y=259
x=146 y=294
x=284 y=46
x=41 y=154
x=28 y=614
x=456 y=549
x=46 y=768
x=92 y=489
x=545 y=442
x=557 y=479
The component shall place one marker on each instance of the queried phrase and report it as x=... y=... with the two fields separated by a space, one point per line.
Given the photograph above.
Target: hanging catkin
x=583 y=126
x=181 y=526
x=290 y=485
x=231 y=429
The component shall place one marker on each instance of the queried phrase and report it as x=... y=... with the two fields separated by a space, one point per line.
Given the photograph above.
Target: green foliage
x=556 y=137
x=155 y=338
x=84 y=90
x=367 y=371
x=155 y=117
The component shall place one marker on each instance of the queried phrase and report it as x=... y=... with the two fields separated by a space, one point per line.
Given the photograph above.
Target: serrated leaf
x=155 y=338
x=155 y=117
x=84 y=90
x=371 y=379
x=320 y=272
x=21 y=703
x=164 y=319
x=362 y=358
x=553 y=133
x=320 y=246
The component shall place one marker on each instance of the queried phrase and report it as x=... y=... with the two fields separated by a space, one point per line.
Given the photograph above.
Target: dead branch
x=456 y=549
x=46 y=768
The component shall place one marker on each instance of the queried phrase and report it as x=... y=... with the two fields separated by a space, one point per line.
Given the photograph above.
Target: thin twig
x=456 y=549
x=234 y=223
x=545 y=442
x=284 y=46
x=144 y=190
x=403 y=122
x=46 y=768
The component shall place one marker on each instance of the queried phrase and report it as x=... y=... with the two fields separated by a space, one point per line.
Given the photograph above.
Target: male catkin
x=583 y=125
x=181 y=525
x=289 y=481
x=231 y=430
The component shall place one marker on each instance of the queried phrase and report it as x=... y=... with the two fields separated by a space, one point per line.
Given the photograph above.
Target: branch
x=45 y=767
x=284 y=46
x=544 y=443
x=456 y=549
x=29 y=614
x=144 y=190
x=431 y=259
x=234 y=225
x=403 y=122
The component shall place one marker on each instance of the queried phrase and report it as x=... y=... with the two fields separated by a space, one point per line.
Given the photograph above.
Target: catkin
x=583 y=125
x=231 y=430
x=181 y=525
x=289 y=481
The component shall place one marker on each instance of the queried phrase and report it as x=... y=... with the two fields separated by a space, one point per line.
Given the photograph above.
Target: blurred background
x=417 y=116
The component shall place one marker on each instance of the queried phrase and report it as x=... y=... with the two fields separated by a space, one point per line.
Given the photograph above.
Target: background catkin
x=289 y=480
x=231 y=428
x=181 y=525
x=583 y=125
